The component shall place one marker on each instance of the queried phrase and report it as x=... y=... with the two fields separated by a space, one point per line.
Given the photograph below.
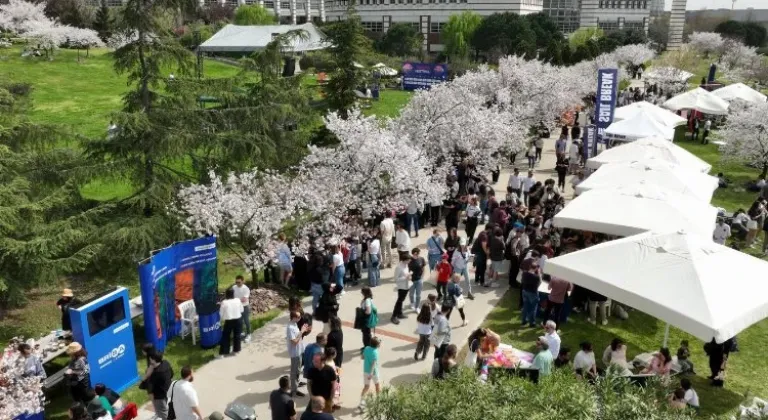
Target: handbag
x=171 y=410
x=361 y=318
x=460 y=301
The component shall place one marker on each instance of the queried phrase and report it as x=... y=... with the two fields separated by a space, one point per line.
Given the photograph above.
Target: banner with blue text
x=423 y=75
x=605 y=102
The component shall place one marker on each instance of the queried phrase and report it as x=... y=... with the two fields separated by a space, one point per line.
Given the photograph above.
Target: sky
x=722 y=4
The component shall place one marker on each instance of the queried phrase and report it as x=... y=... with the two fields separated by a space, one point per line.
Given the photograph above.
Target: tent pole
x=666 y=336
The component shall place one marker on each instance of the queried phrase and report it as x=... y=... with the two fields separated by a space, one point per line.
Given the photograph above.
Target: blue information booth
x=103 y=326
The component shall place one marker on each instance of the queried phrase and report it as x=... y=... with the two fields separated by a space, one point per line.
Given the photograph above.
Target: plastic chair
x=188 y=317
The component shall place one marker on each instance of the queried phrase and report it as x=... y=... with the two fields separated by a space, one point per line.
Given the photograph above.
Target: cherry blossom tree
x=746 y=135
x=706 y=42
x=17 y=15
x=82 y=38
x=634 y=54
x=245 y=211
x=582 y=76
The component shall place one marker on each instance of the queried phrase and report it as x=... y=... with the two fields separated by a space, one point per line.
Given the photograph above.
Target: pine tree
x=46 y=228
x=103 y=22
x=348 y=42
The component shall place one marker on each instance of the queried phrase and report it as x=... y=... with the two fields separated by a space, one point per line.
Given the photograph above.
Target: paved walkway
x=251 y=376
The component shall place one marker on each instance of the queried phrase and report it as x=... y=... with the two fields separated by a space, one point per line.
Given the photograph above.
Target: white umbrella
x=641 y=125
x=684 y=279
x=632 y=209
x=384 y=70
x=699 y=100
x=672 y=177
x=739 y=91
x=661 y=115
x=650 y=150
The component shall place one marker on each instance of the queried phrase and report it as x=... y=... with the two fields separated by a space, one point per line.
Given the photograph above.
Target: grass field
x=746 y=371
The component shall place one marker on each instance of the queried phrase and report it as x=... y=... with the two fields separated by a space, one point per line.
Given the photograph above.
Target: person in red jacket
x=444 y=271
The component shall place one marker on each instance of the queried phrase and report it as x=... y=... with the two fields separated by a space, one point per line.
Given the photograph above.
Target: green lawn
x=390 y=103
x=80 y=94
x=746 y=369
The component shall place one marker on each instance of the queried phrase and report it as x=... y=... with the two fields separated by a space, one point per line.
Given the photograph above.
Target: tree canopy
x=401 y=40
x=458 y=33
x=751 y=34
x=253 y=14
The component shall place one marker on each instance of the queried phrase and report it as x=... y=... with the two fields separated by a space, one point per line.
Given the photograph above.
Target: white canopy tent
x=650 y=150
x=661 y=115
x=739 y=91
x=695 y=184
x=667 y=73
x=684 y=279
x=384 y=70
x=641 y=125
x=235 y=38
x=700 y=100
x=632 y=209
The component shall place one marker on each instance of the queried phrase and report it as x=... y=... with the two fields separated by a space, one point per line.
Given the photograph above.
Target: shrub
x=560 y=396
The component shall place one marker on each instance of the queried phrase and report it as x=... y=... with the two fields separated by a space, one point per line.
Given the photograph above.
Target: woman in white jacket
x=459 y=261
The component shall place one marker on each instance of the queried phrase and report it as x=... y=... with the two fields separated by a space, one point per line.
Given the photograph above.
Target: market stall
x=739 y=91
x=699 y=100
x=650 y=150
x=639 y=126
x=661 y=115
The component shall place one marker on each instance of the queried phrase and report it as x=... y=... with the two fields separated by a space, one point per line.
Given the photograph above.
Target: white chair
x=188 y=318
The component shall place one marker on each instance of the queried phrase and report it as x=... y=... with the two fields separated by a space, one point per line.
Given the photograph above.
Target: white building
x=616 y=14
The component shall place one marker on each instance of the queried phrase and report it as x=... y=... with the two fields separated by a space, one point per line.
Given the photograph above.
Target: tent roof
x=661 y=115
x=700 y=100
x=632 y=209
x=234 y=38
x=650 y=150
x=739 y=91
x=694 y=184
x=687 y=280
x=667 y=73
x=384 y=69
x=641 y=125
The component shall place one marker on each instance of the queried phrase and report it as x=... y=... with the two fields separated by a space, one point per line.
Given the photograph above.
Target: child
x=444 y=270
x=690 y=397
x=370 y=369
x=433 y=308
x=424 y=329
x=683 y=354
x=330 y=356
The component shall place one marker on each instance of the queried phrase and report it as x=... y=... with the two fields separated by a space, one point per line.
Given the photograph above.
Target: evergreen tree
x=103 y=22
x=46 y=227
x=401 y=40
x=348 y=42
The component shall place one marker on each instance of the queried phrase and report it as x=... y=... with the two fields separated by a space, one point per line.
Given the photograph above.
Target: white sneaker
x=464 y=323
x=247 y=339
x=218 y=356
x=343 y=292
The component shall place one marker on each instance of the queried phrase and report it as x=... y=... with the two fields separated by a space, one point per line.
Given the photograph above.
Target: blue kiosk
x=103 y=326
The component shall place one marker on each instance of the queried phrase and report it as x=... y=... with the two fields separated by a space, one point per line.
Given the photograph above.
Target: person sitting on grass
x=661 y=363
x=677 y=400
x=683 y=356
x=691 y=397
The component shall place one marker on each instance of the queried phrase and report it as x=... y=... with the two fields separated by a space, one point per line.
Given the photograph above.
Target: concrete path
x=252 y=375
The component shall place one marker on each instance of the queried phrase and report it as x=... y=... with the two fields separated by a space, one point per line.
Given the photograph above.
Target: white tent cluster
x=656 y=196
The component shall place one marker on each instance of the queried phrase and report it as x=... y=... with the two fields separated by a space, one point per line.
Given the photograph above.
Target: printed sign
x=423 y=75
x=605 y=104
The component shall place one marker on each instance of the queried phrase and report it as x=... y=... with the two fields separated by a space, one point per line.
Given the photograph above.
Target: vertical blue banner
x=605 y=103
x=590 y=142
x=182 y=272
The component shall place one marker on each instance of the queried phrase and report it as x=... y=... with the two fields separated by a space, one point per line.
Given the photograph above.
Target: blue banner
x=182 y=272
x=103 y=326
x=423 y=75
x=605 y=104
x=590 y=142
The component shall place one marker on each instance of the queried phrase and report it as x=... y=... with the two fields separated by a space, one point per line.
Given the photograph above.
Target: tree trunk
x=765 y=170
x=255 y=278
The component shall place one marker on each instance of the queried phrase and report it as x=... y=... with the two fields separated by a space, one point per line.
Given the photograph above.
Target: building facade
x=427 y=16
x=610 y=15
x=676 y=25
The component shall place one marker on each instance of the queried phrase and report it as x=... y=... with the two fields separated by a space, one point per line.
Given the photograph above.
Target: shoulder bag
x=171 y=410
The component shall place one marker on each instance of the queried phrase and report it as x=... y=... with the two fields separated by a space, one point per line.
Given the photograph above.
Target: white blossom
x=746 y=135
x=706 y=42
x=634 y=54
x=17 y=15
x=83 y=38
x=121 y=39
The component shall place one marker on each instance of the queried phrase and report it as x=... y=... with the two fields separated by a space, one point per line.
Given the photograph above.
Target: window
x=106 y=316
x=436 y=27
x=373 y=26
x=416 y=26
x=601 y=4
x=285 y=5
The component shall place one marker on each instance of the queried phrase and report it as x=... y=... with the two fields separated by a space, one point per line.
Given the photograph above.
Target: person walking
x=473 y=214
x=416 y=267
x=374 y=260
x=455 y=299
x=402 y=275
x=387 y=231
x=321 y=379
x=281 y=405
x=412 y=217
x=335 y=339
x=496 y=253
x=338 y=268
x=531 y=155
x=230 y=312
x=441 y=333
x=435 y=249
x=539 y=144
x=527 y=183
x=514 y=181
x=480 y=251
x=372 y=318
x=423 y=329
x=444 y=270
x=460 y=264
x=186 y=405
x=284 y=259
x=293 y=338
x=370 y=369
x=561 y=167
x=707 y=127
x=243 y=293
x=159 y=381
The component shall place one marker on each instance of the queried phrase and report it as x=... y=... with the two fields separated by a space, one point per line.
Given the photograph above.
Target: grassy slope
x=642 y=333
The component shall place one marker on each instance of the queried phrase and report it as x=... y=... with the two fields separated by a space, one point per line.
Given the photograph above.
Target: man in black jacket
x=158 y=383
